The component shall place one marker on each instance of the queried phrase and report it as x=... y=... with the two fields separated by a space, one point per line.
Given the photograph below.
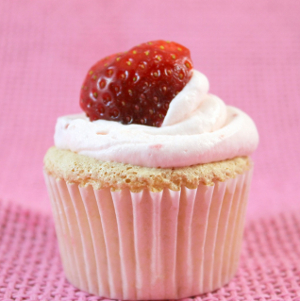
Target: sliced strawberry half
x=138 y=85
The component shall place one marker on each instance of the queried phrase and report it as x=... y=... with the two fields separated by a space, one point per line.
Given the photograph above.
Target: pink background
x=250 y=51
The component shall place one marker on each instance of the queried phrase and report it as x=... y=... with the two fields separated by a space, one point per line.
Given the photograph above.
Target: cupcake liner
x=150 y=245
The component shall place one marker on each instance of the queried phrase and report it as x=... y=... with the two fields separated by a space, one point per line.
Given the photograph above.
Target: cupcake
x=149 y=186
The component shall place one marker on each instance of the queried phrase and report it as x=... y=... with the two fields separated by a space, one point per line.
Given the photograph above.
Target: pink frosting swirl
x=198 y=128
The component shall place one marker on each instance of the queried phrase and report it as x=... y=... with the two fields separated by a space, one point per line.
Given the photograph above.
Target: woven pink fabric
x=30 y=266
x=250 y=52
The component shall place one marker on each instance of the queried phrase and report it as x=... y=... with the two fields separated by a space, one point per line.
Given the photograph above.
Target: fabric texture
x=250 y=52
x=30 y=265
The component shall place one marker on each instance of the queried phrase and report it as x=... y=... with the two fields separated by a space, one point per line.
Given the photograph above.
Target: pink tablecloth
x=30 y=267
x=250 y=51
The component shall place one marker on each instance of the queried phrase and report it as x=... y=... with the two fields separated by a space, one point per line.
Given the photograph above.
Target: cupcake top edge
x=85 y=171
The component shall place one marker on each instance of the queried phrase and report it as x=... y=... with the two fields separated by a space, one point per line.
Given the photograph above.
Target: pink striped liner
x=150 y=245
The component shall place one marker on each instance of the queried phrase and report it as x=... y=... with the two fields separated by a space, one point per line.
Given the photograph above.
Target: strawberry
x=138 y=85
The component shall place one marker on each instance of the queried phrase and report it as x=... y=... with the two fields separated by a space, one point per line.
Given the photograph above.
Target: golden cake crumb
x=83 y=170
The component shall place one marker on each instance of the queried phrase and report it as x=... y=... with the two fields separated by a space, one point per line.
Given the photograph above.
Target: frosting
x=198 y=128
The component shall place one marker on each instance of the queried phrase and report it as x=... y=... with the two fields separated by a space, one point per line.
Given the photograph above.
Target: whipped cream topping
x=198 y=128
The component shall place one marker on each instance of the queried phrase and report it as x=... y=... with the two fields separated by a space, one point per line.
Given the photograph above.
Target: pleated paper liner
x=150 y=245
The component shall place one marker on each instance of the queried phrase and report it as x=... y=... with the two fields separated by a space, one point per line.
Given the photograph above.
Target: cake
x=149 y=187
